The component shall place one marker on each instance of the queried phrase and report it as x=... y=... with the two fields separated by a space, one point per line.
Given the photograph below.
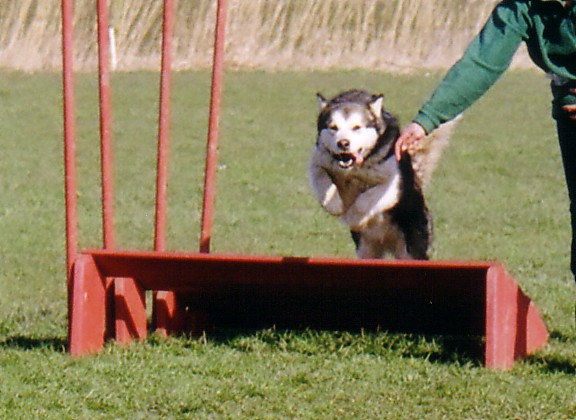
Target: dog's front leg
x=371 y=203
x=325 y=190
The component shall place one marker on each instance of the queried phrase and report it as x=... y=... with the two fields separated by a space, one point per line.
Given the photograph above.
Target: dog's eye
x=356 y=127
x=333 y=127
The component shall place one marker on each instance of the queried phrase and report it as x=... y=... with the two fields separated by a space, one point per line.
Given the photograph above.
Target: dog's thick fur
x=356 y=176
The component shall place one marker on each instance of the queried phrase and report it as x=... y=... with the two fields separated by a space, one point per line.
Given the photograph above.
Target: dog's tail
x=427 y=153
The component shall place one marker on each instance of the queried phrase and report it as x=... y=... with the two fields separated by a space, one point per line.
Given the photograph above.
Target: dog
x=355 y=175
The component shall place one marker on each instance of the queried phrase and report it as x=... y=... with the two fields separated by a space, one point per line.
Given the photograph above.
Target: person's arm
x=484 y=61
x=486 y=58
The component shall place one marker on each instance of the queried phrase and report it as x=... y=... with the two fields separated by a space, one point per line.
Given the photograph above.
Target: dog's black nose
x=343 y=144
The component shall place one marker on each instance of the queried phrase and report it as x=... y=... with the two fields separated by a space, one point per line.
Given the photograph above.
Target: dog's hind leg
x=367 y=248
x=416 y=227
x=356 y=238
x=418 y=250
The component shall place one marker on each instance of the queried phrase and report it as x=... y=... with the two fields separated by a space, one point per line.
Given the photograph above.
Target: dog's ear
x=376 y=106
x=322 y=102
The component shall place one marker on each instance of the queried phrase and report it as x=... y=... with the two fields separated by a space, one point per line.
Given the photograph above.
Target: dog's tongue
x=347 y=160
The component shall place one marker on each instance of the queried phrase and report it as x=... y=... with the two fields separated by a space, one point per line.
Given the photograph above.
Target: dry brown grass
x=265 y=34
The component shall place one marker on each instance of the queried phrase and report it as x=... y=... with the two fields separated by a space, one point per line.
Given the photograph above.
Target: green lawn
x=498 y=194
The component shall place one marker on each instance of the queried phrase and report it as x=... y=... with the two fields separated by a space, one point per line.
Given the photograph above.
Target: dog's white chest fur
x=358 y=194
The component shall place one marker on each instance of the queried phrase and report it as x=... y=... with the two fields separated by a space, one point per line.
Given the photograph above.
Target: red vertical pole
x=108 y=234
x=105 y=125
x=164 y=126
x=69 y=132
x=213 y=126
x=166 y=312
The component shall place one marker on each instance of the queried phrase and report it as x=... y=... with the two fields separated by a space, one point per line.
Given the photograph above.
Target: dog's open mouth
x=345 y=160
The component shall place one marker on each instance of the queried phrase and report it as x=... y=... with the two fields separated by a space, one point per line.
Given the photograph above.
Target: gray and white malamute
x=356 y=176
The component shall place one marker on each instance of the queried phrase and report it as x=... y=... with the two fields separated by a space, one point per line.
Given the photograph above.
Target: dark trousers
x=567 y=139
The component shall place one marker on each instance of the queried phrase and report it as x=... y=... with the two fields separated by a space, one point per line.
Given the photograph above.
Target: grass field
x=498 y=194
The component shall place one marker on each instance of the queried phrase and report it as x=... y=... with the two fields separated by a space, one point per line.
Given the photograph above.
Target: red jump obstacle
x=196 y=291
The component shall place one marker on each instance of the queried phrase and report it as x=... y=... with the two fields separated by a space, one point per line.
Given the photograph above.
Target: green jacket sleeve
x=484 y=61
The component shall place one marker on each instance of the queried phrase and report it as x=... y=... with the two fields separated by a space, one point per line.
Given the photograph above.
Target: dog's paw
x=360 y=213
x=335 y=207
x=332 y=202
x=355 y=220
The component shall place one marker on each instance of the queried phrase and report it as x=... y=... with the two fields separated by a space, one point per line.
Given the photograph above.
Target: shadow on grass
x=557 y=362
x=459 y=350
x=439 y=349
x=20 y=342
x=450 y=350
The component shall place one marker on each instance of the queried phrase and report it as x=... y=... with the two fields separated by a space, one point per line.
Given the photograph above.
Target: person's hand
x=571 y=109
x=410 y=135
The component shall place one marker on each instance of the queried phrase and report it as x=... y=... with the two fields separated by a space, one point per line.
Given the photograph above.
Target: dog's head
x=351 y=126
